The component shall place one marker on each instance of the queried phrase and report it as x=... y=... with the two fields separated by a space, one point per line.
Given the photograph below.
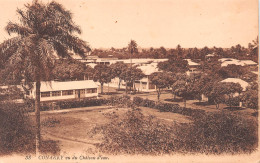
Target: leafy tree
x=163 y=51
x=181 y=89
x=137 y=74
x=69 y=70
x=174 y=65
x=43 y=30
x=102 y=74
x=218 y=92
x=179 y=51
x=117 y=69
x=161 y=80
x=130 y=75
x=250 y=96
x=229 y=89
x=11 y=93
x=232 y=71
x=177 y=82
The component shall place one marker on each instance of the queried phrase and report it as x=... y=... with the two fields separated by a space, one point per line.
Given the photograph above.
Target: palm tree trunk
x=37 y=116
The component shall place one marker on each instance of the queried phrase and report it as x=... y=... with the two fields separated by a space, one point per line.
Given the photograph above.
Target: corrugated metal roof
x=67 y=85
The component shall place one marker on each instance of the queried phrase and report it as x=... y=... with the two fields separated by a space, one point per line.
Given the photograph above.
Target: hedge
x=167 y=107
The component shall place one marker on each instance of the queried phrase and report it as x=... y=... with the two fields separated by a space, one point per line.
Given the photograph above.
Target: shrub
x=216 y=133
x=167 y=107
x=136 y=134
x=16 y=130
x=120 y=101
x=17 y=134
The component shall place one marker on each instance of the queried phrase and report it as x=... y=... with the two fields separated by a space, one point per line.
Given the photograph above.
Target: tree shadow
x=111 y=93
x=234 y=108
x=174 y=100
x=202 y=103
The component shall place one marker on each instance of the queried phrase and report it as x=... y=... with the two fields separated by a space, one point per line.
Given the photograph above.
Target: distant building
x=53 y=90
x=193 y=67
x=232 y=61
x=143 y=85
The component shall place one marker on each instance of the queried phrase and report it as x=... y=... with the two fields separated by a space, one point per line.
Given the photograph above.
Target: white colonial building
x=55 y=90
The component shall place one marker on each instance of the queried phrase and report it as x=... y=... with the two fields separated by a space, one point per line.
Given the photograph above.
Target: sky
x=155 y=23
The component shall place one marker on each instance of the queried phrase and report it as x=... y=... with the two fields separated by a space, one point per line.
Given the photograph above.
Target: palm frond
x=18 y=29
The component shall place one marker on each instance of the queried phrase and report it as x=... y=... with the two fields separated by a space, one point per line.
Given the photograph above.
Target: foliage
x=175 y=65
x=161 y=80
x=117 y=69
x=250 y=96
x=45 y=32
x=167 y=107
x=70 y=70
x=102 y=74
x=217 y=133
x=132 y=74
x=120 y=101
x=232 y=71
x=41 y=33
x=136 y=134
x=17 y=132
x=132 y=47
x=11 y=93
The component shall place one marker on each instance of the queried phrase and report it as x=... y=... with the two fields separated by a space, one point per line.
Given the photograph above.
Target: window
x=67 y=92
x=45 y=94
x=56 y=93
x=82 y=91
x=92 y=90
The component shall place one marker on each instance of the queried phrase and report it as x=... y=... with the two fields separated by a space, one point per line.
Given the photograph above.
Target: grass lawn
x=73 y=129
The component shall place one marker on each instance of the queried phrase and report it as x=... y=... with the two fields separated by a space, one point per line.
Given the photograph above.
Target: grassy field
x=74 y=129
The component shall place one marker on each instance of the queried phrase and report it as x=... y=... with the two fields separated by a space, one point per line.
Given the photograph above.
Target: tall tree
x=175 y=65
x=44 y=30
x=117 y=69
x=132 y=48
x=161 y=80
x=102 y=74
x=69 y=70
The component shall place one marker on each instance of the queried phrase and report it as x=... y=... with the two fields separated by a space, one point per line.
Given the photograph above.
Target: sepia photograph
x=129 y=81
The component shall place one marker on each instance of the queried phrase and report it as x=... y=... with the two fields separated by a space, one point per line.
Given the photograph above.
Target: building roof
x=230 y=61
x=92 y=65
x=149 y=69
x=248 y=62
x=67 y=85
x=243 y=83
x=210 y=55
x=191 y=63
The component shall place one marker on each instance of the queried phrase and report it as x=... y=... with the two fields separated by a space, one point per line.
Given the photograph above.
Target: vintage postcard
x=129 y=81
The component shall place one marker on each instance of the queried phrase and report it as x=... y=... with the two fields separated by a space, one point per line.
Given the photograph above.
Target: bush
x=216 y=133
x=17 y=134
x=120 y=101
x=16 y=130
x=167 y=107
x=136 y=134
x=213 y=133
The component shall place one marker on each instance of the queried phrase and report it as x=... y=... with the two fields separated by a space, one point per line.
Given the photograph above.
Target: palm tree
x=132 y=48
x=45 y=32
